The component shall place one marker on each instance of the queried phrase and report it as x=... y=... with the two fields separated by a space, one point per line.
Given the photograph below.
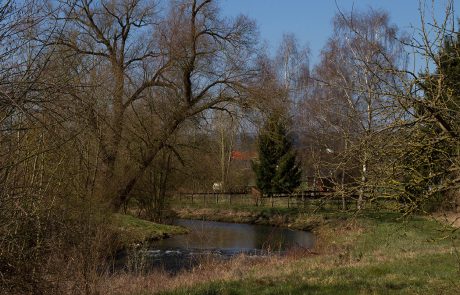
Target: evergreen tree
x=276 y=170
x=430 y=165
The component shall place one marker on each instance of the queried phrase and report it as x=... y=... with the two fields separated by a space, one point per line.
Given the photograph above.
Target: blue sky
x=310 y=20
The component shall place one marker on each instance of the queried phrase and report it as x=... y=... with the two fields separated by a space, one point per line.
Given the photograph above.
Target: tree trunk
x=363 y=184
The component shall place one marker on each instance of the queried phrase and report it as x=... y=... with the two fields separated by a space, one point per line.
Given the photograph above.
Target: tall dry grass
x=238 y=268
x=208 y=270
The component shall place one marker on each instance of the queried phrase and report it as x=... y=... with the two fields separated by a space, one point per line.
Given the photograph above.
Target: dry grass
x=209 y=270
x=282 y=217
x=449 y=218
x=239 y=268
x=374 y=254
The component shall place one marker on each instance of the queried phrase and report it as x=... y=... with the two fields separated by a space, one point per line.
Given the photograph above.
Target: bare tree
x=179 y=64
x=292 y=62
x=351 y=102
x=429 y=155
x=37 y=204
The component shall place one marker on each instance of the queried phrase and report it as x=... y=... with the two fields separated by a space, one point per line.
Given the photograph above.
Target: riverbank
x=370 y=253
x=132 y=230
x=282 y=217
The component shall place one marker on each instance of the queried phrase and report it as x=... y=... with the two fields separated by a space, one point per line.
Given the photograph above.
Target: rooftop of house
x=243 y=155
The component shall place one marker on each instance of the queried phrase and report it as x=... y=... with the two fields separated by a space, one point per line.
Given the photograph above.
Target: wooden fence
x=297 y=199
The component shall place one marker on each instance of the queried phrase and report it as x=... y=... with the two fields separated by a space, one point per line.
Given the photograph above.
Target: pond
x=221 y=240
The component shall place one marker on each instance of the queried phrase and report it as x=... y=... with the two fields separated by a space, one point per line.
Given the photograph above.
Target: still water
x=221 y=240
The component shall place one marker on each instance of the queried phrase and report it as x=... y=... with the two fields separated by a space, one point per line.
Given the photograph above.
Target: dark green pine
x=276 y=170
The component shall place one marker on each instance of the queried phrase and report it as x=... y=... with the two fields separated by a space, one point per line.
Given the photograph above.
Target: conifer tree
x=277 y=170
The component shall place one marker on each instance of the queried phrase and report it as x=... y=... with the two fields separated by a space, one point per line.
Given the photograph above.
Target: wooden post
x=289 y=200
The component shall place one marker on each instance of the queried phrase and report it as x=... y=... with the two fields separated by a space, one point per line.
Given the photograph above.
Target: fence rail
x=296 y=199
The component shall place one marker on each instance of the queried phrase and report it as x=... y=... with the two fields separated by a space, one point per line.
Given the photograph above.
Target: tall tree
x=431 y=174
x=175 y=65
x=352 y=103
x=277 y=170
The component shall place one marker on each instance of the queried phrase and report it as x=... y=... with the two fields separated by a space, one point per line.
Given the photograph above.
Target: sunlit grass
x=135 y=230
x=369 y=254
x=366 y=253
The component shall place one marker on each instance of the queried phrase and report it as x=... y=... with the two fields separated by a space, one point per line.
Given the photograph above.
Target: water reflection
x=215 y=240
x=235 y=237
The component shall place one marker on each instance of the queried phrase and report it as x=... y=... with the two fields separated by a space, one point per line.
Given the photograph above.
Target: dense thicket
x=97 y=100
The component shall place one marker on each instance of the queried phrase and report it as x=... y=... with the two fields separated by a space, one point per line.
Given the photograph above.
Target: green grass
x=135 y=230
x=373 y=253
x=415 y=276
x=294 y=218
x=283 y=217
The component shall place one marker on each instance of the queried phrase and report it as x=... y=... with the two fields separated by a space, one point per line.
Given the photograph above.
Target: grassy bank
x=284 y=217
x=134 y=230
x=371 y=253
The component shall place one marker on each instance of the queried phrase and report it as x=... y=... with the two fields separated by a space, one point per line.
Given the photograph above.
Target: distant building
x=243 y=156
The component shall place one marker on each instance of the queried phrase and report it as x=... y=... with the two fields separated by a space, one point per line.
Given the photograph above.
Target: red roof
x=243 y=156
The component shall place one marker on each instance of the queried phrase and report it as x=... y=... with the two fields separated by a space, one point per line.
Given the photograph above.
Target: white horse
x=217 y=186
